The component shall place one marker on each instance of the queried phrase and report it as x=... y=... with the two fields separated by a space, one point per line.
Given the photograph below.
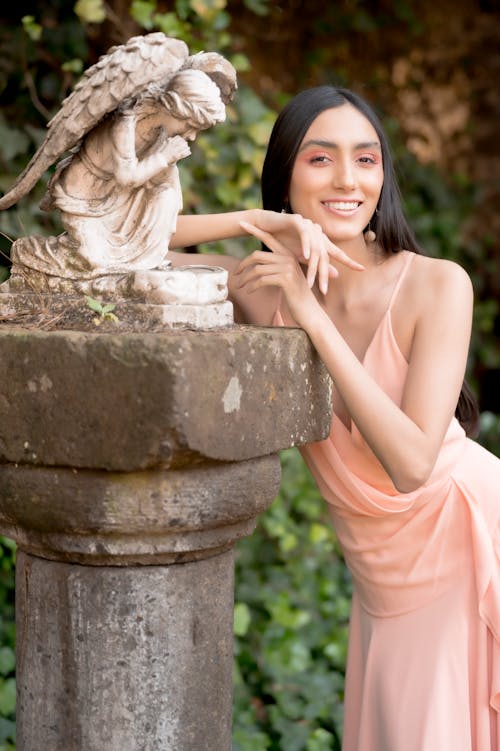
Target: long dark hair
x=388 y=222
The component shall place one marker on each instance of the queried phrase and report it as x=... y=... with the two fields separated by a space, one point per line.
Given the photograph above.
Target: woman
x=413 y=500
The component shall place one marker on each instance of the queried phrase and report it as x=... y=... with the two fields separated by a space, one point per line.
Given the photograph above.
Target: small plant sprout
x=104 y=311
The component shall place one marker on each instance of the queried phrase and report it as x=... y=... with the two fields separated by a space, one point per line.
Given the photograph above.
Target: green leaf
x=142 y=11
x=7 y=696
x=32 y=29
x=320 y=740
x=90 y=11
x=94 y=305
x=242 y=619
x=7 y=732
x=73 y=66
x=319 y=533
x=171 y=25
x=7 y=660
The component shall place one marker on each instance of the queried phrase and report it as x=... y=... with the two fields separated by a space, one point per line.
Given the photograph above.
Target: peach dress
x=423 y=668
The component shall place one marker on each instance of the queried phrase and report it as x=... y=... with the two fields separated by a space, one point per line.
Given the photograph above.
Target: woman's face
x=338 y=173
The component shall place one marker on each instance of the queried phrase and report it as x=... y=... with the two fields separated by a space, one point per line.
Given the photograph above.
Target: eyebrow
x=332 y=145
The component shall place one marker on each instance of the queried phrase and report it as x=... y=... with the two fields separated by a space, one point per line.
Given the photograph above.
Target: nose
x=344 y=176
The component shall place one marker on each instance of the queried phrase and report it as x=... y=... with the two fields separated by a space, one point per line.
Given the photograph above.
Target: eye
x=367 y=159
x=319 y=159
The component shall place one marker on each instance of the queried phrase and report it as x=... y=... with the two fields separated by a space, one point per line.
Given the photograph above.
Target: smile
x=342 y=205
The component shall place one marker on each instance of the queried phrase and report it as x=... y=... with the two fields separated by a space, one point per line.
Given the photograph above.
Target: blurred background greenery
x=428 y=69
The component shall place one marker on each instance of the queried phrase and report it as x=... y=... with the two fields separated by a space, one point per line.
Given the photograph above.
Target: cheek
x=303 y=182
x=374 y=182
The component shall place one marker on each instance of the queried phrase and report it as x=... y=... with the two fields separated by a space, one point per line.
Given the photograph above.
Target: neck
x=350 y=283
x=368 y=254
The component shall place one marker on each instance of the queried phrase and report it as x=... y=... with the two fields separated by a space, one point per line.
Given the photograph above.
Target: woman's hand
x=261 y=269
x=303 y=240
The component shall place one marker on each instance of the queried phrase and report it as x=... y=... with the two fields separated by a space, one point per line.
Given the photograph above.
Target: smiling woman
x=413 y=500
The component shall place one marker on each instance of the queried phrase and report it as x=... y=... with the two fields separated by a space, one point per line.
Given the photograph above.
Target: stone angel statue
x=126 y=125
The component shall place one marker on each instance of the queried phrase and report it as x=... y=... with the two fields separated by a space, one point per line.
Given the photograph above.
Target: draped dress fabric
x=423 y=668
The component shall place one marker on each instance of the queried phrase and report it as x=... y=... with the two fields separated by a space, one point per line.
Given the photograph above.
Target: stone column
x=130 y=465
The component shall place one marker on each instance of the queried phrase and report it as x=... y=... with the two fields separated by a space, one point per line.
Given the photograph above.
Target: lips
x=342 y=205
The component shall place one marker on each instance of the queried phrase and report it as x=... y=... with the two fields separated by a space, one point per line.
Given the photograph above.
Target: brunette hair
x=388 y=222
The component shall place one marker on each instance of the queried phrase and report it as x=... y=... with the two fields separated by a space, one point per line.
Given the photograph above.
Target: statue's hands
x=305 y=241
x=176 y=148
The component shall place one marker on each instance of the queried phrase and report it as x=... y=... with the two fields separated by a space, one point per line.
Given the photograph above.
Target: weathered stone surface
x=124 y=659
x=135 y=401
x=112 y=518
x=139 y=315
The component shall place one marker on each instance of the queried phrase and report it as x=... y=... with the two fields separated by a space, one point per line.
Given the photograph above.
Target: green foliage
x=7 y=642
x=291 y=617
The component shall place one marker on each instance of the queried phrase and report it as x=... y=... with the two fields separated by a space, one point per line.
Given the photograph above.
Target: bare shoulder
x=435 y=281
x=436 y=294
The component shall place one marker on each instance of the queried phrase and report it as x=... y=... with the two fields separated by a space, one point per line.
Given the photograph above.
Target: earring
x=370 y=235
x=286 y=207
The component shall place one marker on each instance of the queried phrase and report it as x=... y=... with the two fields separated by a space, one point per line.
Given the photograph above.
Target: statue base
x=191 y=297
x=73 y=312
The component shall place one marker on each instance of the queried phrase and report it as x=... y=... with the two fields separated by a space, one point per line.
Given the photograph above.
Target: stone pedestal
x=124 y=658
x=129 y=466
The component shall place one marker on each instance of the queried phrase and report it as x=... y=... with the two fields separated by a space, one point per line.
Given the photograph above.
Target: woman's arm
x=193 y=229
x=304 y=240
x=405 y=439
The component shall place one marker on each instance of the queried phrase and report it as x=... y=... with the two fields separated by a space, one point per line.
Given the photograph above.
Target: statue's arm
x=133 y=172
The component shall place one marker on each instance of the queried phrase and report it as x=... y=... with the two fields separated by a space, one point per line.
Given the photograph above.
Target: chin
x=344 y=236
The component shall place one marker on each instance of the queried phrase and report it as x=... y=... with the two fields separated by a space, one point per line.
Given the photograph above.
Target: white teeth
x=342 y=205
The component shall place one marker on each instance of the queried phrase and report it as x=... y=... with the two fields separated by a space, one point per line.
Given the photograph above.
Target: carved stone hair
x=194 y=97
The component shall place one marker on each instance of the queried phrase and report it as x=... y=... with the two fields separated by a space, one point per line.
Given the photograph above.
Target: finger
x=261 y=263
x=343 y=258
x=323 y=273
x=266 y=237
x=261 y=270
x=332 y=272
x=323 y=264
x=305 y=241
x=258 y=256
x=312 y=269
x=269 y=280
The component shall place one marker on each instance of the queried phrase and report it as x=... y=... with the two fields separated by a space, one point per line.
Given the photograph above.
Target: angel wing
x=121 y=73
